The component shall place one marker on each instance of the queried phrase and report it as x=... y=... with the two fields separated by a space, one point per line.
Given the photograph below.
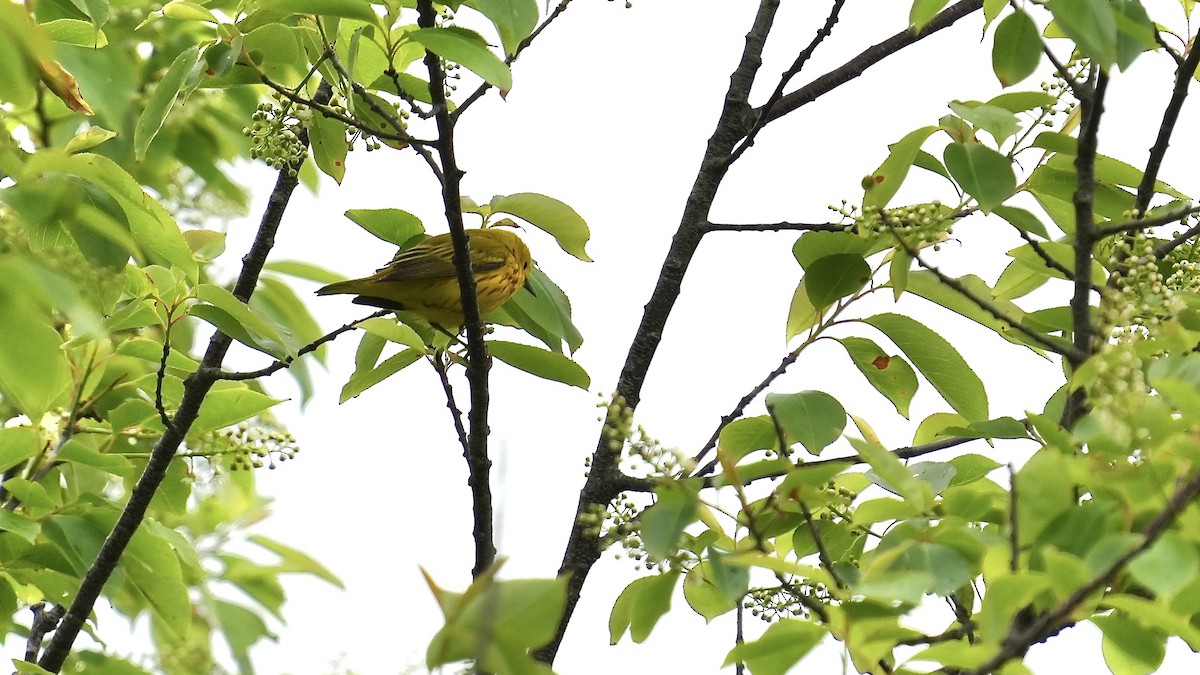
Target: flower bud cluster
x=274 y=134
x=641 y=453
x=255 y=446
x=919 y=225
x=778 y=602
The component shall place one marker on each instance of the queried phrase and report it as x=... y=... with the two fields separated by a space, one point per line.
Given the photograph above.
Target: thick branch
x=195 y=388
x=601 y=486
x=479 y=464
x=802 y=58
x=1092 y=106
x=1183 y=78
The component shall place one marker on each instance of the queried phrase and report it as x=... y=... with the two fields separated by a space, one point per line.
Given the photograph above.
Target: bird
x=423 y=279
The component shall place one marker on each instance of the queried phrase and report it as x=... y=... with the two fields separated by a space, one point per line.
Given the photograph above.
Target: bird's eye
x=525 y=266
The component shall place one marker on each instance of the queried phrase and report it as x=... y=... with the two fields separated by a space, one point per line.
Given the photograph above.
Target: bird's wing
x=419 y=262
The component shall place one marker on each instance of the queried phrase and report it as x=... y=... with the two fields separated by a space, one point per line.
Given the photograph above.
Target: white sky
x=610 y=112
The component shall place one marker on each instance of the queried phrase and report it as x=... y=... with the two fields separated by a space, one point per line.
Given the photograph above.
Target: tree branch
x=195 y=388
x=479 y=465
x=983 y=303
x=1142 y=224
x=1184 y=73
x=483 y=88
x=583 y=550
x=867 y=58
x=777 y=227
x=306 y=349
x=802 y=58
x=1092 y=106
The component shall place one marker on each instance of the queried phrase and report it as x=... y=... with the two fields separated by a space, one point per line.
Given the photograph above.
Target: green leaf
x=391 y=225
x=702 y=594
x=304 y=270
x=548 y=214
x=468 y=50
x=242 y=628
x=1020 y=101
x=781 y=646
x=150 y=223
x=162 y=99
x=263 y=334
x=641 y=605
x=514 y=19
x=938 y=361
x=1016 y=49
x=1135 y=31
x=1007 y=595
x=393 y=331
x=361 y=382
x=20 y=525
x=1022 y=220
x=540 y=362
x=882 y=185
x=17 y=444
x=834 y=277
x=34 y=370
x=75 y=32
x=347 y=9
x=294 y=561
x=1128 y=647
x=76 y=452
x=923 y=11
x=675 y=507
x=329 y=147
x=971 y=467
x=812 y=246
x=890 y=375
x=741 y=437
x=998 y=122
x=1168 y=566
x=545 y=313
x=1091 y=24
x=184 y=10
x=812 y=418
x=894 y=477
x=227 y=405
x=801 y=313
x=982 y=172
x=86 y=140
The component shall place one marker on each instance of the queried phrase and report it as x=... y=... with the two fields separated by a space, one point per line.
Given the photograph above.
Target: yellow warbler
x=423 y=280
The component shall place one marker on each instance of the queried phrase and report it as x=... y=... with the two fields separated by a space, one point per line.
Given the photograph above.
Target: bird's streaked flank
x=423 y=280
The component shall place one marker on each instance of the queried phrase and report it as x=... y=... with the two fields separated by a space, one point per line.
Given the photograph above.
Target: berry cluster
x=274 y=134
x=253 y=447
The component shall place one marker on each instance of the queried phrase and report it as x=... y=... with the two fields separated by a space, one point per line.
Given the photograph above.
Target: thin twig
x=1143 y=224
x=822 y=552
x=483 y=88
x=805 y=54
x=306 y=349
x=777 y=227
x=1182 y=238
x=162 y=373
x=871 y=56
x=439 y=364
x=986 y=305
